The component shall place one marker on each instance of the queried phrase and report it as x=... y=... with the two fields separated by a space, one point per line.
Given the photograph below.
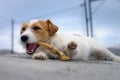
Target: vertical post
x=12 y=36
x=86 y=18
x=90 y=18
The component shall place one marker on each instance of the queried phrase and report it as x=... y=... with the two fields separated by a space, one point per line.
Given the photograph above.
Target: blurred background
x=99 y=19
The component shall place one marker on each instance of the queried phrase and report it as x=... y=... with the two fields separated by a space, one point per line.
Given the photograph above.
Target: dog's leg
x=72 y=46
x=40 y=56
x=113 y=56
x=55 y=51
x=105 y=54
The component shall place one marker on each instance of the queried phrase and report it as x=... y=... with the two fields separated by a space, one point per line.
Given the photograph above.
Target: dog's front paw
x=72 y=45
x=40 y=56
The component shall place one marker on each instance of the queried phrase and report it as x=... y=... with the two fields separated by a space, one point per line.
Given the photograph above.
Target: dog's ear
x=52 y=29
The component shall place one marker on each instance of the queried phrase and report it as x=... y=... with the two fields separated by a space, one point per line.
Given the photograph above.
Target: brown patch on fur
x=42 y=32
x=46 y=30
x=52 y=29
x=72 y=45
x=24 y=26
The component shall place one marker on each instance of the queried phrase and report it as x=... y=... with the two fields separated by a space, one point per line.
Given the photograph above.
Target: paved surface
x=14 y=68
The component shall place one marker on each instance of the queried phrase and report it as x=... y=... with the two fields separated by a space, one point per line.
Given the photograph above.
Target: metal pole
x=12 y=36
x=86 y=18
x=90 y=18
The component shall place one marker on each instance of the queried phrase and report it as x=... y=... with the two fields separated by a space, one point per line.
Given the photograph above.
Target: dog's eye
x=36 y=28
x=23 y=29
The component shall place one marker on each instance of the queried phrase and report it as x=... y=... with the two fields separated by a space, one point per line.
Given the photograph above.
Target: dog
x=77 y=47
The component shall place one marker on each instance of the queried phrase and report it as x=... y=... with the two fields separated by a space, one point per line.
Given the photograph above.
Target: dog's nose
x=24 y=38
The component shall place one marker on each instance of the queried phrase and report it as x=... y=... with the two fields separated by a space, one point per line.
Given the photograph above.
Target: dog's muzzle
x=30 y=47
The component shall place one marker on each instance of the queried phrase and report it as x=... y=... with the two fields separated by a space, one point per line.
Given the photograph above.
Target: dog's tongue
x=31 y=48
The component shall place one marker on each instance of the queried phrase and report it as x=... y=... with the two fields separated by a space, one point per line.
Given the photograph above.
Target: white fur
x=85 y=47
x=29 y=33
x=32 y=37
x=31 y=22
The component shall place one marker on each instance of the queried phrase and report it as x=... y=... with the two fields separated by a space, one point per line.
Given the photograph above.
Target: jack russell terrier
x=42 y=40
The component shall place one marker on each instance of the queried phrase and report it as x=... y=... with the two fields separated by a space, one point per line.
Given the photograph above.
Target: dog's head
x=36 y=30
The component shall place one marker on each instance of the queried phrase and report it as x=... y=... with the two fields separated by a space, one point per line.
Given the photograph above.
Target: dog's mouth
x=31 y=48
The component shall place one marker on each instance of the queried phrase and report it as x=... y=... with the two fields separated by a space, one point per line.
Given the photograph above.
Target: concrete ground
x=20 y=68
